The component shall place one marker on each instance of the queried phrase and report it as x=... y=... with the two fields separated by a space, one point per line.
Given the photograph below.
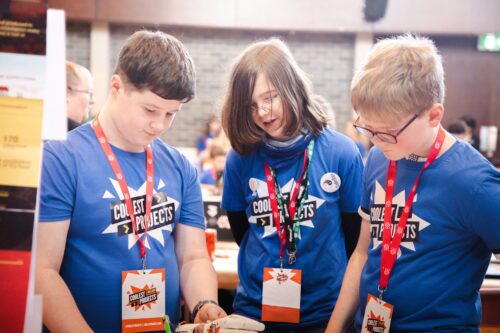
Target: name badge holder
x=143 y=291
x=378 y=313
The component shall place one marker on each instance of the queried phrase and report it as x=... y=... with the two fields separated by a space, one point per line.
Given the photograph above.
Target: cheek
x=255 y=119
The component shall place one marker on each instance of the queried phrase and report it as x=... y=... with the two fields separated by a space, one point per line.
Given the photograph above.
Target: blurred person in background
x=470 y=130
x=211 y=178
x=79 y=94
x=459 y=129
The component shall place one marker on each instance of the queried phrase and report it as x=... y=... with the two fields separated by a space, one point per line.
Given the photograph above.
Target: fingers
x=209 y=312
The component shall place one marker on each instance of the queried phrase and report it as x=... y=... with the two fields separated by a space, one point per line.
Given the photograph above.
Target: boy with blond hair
x=429 y=204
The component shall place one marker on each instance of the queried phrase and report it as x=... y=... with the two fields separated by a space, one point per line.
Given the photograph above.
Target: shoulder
x=78 y=142
x=465 y=162
x=234 y=158
x=335 y=141
x=165 y=152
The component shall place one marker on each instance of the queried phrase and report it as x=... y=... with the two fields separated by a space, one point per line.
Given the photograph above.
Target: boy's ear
x=435 y=114
x=116 y=84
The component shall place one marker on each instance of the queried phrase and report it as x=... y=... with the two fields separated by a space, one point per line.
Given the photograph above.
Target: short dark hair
x=273 y=59
x=469 y=121
x=457 y=127
x=158 y=62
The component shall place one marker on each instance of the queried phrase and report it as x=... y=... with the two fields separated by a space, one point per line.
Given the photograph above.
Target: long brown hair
x=274 y=60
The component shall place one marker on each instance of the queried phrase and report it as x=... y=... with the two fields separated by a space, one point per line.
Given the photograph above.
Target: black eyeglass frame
x=383 y=136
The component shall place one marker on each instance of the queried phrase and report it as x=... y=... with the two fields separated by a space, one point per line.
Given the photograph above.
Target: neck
x=449 y=140
x=112 y=131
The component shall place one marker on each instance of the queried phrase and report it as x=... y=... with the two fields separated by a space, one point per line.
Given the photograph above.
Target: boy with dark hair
x=429 y=204
x=114 y=197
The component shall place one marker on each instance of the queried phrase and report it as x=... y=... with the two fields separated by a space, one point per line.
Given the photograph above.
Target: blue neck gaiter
x=280 y=154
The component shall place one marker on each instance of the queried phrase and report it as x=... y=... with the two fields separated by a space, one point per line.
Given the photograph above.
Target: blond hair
x=73 y=78
x=401 y=76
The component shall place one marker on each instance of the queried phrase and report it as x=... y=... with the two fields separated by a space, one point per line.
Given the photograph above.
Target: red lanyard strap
x=390 y=248
x=120 y=177
x=272 y=186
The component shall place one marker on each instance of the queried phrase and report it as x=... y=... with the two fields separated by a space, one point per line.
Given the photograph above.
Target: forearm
x=348 y=300
x=60 y=312
x=198 y=281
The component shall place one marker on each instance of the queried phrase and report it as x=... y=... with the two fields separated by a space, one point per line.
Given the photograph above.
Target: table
x=226 y=266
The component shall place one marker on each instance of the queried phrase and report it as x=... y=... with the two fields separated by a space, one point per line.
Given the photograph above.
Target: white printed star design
x=262 y=192
x=398 y=200
x=141 y=191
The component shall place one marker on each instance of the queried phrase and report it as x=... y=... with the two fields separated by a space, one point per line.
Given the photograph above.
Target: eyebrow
x=154 y=107
x=380 y=129
x=267 y=92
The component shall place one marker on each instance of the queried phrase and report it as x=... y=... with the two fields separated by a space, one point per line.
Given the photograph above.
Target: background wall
x=327 y=58
x=328 y=38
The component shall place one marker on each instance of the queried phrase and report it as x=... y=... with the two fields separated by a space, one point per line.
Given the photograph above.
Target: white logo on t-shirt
x=330 y=182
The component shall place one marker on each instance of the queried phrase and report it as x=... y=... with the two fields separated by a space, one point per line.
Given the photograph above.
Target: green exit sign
x=488 y=42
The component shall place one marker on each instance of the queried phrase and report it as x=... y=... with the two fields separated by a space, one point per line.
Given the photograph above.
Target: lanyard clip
x=381 y=291
x=291 y=257
x=281 y=263
x=144 y=264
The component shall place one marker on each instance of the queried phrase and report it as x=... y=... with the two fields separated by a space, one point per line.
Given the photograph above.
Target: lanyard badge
x=378 y=313
x=281 y=288
x=120 y=177
x=143 y=291
x=289 y=232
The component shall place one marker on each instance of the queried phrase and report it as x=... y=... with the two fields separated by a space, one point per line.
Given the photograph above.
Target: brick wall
x=327 y=58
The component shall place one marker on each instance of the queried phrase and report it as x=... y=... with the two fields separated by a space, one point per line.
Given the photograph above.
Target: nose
x=159 y=125
x=262 y=111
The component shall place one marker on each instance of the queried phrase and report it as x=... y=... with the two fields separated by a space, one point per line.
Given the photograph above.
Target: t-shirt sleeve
x=352 y=176
x=233 y=197
x=484 y=218
x=206 y=178
x=364 y=209
x=58 y=183
x=192 y=203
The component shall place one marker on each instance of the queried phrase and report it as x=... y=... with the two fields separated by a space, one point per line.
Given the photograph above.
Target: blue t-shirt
x=452 y=229
x=78 y=184
x=335 y=177
x=203 y=141
x=207 y=177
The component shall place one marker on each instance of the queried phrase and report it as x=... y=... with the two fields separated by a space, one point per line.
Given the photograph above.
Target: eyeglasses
x=266 y=105
x=88 y=92
x=383 y=136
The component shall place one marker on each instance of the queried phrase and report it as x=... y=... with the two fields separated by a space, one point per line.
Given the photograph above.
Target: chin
x=392 y=156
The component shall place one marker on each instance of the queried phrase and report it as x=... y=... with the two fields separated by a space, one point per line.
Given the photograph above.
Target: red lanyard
x=101 y=137
x=390 y=248
x=291 y=206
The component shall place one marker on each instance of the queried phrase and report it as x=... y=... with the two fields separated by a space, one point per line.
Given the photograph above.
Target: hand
x=230 y=324
x=209 y=312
